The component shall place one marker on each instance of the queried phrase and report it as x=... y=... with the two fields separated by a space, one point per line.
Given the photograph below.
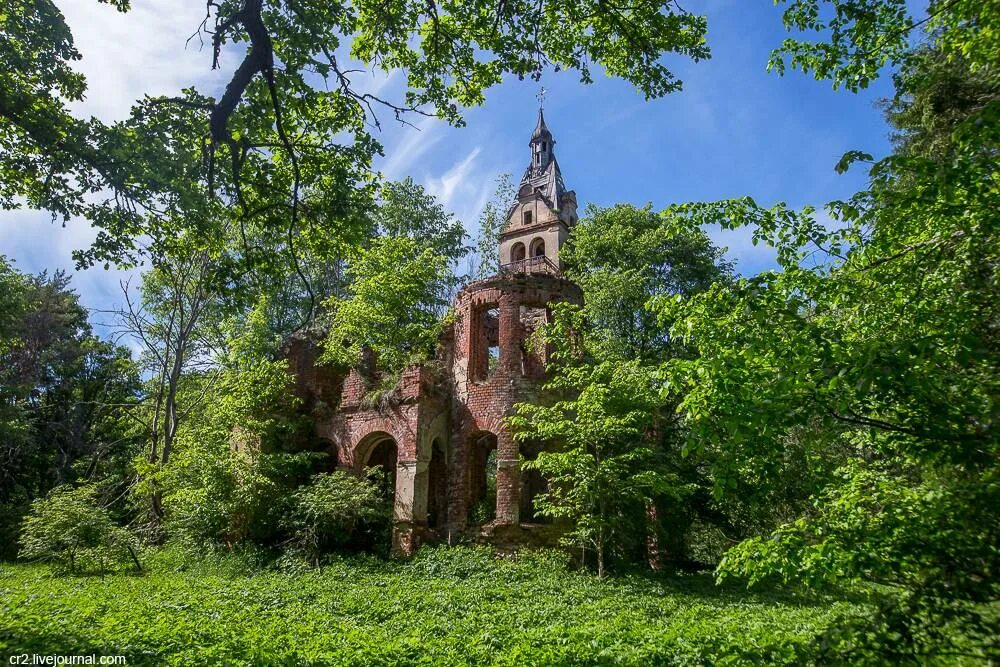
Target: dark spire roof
x=541 y=130
x=545 y=179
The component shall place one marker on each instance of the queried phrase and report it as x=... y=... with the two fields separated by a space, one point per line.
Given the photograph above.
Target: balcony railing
x=540 y=264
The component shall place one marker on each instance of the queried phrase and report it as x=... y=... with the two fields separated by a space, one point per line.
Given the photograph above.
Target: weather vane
x=541 y=96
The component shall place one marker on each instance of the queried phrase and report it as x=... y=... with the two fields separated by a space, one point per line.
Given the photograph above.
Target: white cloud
x=143 y=51
x=415 y=142
x=457 y=176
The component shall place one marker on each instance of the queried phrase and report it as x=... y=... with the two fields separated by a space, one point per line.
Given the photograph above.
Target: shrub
x=68 y=527
x=327 y=511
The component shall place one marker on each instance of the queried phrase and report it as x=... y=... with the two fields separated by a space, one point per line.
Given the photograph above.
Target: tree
x=169 y=322
x=328 y=509
x=48 y=159
x=622 y=257
x=64 y=396
x=605 y=469
x=620 y=476
x=491 y=223
x=240 y=452
x=393 y=307
x=885 y=339
x=860 y=37
x=405 y=209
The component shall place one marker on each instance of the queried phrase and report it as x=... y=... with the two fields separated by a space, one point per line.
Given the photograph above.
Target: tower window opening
x=538 y=248
x=527 y=217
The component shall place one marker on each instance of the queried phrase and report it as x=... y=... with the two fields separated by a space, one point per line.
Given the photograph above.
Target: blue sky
x=734 y=130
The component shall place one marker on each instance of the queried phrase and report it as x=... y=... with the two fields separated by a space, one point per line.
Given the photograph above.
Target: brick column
x=404 y=505
x=510 y=334
x=508 y=481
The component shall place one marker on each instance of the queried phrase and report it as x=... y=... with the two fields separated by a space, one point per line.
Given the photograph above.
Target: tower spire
x=539 y=220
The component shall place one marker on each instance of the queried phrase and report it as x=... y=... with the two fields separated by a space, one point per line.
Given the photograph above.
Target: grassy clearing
x=454 y=606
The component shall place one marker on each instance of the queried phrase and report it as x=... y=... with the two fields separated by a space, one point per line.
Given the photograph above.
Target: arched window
x=517 y=252
x=538 y=247
x=481 y=483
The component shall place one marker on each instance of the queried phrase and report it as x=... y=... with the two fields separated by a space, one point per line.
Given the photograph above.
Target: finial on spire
x=541 y=97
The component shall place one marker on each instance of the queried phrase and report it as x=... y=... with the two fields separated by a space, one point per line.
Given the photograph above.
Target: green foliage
x=491 y=223
x=393 y=306
x=48 y=159
x=622 y=256
x=606 y=470
x=878 y=331
x=405 y=209
x=236 y=458
x=325 y=512
x=70 y=528
x=451 y=606
x=859 y=37
x=64 y=397
x=620 y=463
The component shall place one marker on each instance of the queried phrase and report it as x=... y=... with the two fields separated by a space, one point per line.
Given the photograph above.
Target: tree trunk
x=600 y=555
x=653 y=553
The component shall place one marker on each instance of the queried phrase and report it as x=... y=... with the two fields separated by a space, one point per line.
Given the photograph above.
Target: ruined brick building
x=442 y=440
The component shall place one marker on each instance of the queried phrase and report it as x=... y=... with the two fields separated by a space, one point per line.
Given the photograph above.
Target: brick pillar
x=510 y=334
x=508 y=481
x=457 y=507
x=421 y=477
x=409 y=510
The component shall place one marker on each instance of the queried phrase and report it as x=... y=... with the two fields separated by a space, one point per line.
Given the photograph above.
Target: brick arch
x=365 y=445
x=381 y=450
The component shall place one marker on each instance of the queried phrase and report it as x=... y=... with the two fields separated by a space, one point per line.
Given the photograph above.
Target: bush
x=326 y=512
x=68 y=527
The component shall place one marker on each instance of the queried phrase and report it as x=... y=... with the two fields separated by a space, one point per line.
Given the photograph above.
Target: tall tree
x=393 y=307
x=623 y=256
x=486 y=259
x=64 y=396
x=886 y=341
x=619 y=475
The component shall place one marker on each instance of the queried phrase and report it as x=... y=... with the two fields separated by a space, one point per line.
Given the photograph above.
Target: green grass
x=456 y=606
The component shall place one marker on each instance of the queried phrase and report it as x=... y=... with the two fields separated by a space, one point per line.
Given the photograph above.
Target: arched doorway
x=437 y=486
x=376 y=455
x=482 y=478
x=517 y=252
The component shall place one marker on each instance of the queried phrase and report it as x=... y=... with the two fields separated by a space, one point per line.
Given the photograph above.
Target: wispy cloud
x=416 y=141
x=444 y=187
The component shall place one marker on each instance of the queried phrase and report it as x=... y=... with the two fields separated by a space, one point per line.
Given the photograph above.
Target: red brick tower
x=494 y=363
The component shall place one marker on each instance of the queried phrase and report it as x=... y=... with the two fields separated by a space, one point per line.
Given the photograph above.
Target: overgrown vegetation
x=828 y=425
x=446 y=606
